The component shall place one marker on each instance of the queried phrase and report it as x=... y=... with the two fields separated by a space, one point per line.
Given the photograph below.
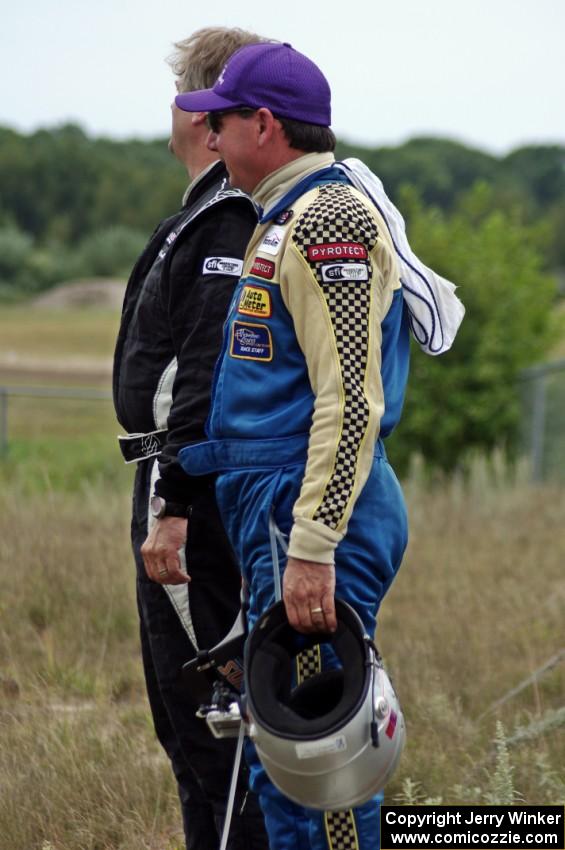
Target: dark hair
x=310 y=138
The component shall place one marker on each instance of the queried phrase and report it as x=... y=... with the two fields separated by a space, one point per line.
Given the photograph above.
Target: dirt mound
x=104 y=293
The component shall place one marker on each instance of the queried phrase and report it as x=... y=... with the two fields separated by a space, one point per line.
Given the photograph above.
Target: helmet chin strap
x=275 y=534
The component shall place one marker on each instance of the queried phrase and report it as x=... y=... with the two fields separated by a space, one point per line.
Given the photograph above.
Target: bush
x=27 y=268
x=467 y=399
x=111 y=251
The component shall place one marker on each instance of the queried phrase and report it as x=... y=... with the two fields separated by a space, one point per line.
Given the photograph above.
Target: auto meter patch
x=251 y=342
x=336 y=251
x=263 y=268
x=255 y=301
x=344 y=271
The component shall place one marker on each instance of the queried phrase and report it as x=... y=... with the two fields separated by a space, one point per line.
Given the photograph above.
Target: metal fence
x=542 y=396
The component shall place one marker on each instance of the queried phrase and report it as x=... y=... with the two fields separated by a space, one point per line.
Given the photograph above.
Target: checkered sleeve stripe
x=341 y=830
x=308 y=663
x=338 y=216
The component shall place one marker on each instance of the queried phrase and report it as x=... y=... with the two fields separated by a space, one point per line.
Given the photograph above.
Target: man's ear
x=265 y=125
x=198 y=118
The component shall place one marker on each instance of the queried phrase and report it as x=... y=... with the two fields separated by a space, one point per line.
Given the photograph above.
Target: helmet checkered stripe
x=338 y=216
x=341 y=830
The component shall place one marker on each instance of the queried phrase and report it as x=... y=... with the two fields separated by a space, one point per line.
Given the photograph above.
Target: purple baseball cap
x=270 y=75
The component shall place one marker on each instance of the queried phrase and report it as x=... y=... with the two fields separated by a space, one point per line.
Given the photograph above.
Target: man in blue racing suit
x=310 y=380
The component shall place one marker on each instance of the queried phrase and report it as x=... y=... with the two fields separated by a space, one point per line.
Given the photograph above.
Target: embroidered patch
x=284 y=217
x=272 y=240
x=263 y=268
x=391 y=725
x=336 y=251
x=223 y=265
x=255 y=301
x=345 y=271
x=251 y=342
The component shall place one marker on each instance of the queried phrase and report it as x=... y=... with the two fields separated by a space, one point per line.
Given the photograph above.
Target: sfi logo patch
x=255 y=301
x=263 y=268
x=251 y=342
x=336 y=251
x=272 y=240
x=222 y=265
x=345 y=271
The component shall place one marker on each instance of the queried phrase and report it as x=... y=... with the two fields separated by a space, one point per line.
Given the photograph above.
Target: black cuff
x=184 y=491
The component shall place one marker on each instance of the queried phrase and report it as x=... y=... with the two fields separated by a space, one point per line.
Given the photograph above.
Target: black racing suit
x=175 y=304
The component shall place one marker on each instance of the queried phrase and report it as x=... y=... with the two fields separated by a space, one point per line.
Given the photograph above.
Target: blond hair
x=198 y=60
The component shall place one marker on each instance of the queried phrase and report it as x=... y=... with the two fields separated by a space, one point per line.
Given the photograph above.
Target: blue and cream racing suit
x=311 y=378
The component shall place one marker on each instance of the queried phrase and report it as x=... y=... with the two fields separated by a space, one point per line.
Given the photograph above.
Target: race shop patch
x=255 y=301
x=344 y=271
x=263 y=268
x=272 y=240
x=222 y=265
x=251 y=342
x=336 y=251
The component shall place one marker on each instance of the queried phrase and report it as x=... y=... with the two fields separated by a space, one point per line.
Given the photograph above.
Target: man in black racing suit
x=188 y=584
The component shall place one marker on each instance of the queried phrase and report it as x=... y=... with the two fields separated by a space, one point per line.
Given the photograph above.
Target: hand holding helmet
x=334 y=740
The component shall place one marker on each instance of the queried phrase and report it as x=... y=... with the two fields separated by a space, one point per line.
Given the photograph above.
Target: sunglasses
x=215 y=119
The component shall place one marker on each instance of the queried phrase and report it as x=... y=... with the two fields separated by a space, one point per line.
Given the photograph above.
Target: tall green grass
x=79 y=766
x=477 y=607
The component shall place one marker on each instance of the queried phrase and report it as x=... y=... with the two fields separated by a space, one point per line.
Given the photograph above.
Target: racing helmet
x=334 y=740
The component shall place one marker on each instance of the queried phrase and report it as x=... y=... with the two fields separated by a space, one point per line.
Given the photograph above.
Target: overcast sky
x=489 y=72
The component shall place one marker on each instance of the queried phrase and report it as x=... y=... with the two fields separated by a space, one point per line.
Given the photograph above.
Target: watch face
x=157 y=506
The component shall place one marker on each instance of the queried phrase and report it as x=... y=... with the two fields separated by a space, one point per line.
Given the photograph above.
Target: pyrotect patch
x=284 y=216
x=336 y=251
x=255 y=301
x=222 y=265
x=272 y=240
x=263 y=268
x=344 y=271
x=251 y=342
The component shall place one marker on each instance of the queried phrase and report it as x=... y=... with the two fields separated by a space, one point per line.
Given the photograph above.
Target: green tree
x=467 y=398
x=27 y=268
x=111 y=251
x=439 y=169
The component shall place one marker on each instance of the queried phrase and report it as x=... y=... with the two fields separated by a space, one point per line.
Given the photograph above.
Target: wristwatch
x=160 y=508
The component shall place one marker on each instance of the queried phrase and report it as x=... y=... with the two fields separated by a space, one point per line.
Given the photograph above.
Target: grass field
x=32 y=332
x=59 y=443
x=478 y=607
